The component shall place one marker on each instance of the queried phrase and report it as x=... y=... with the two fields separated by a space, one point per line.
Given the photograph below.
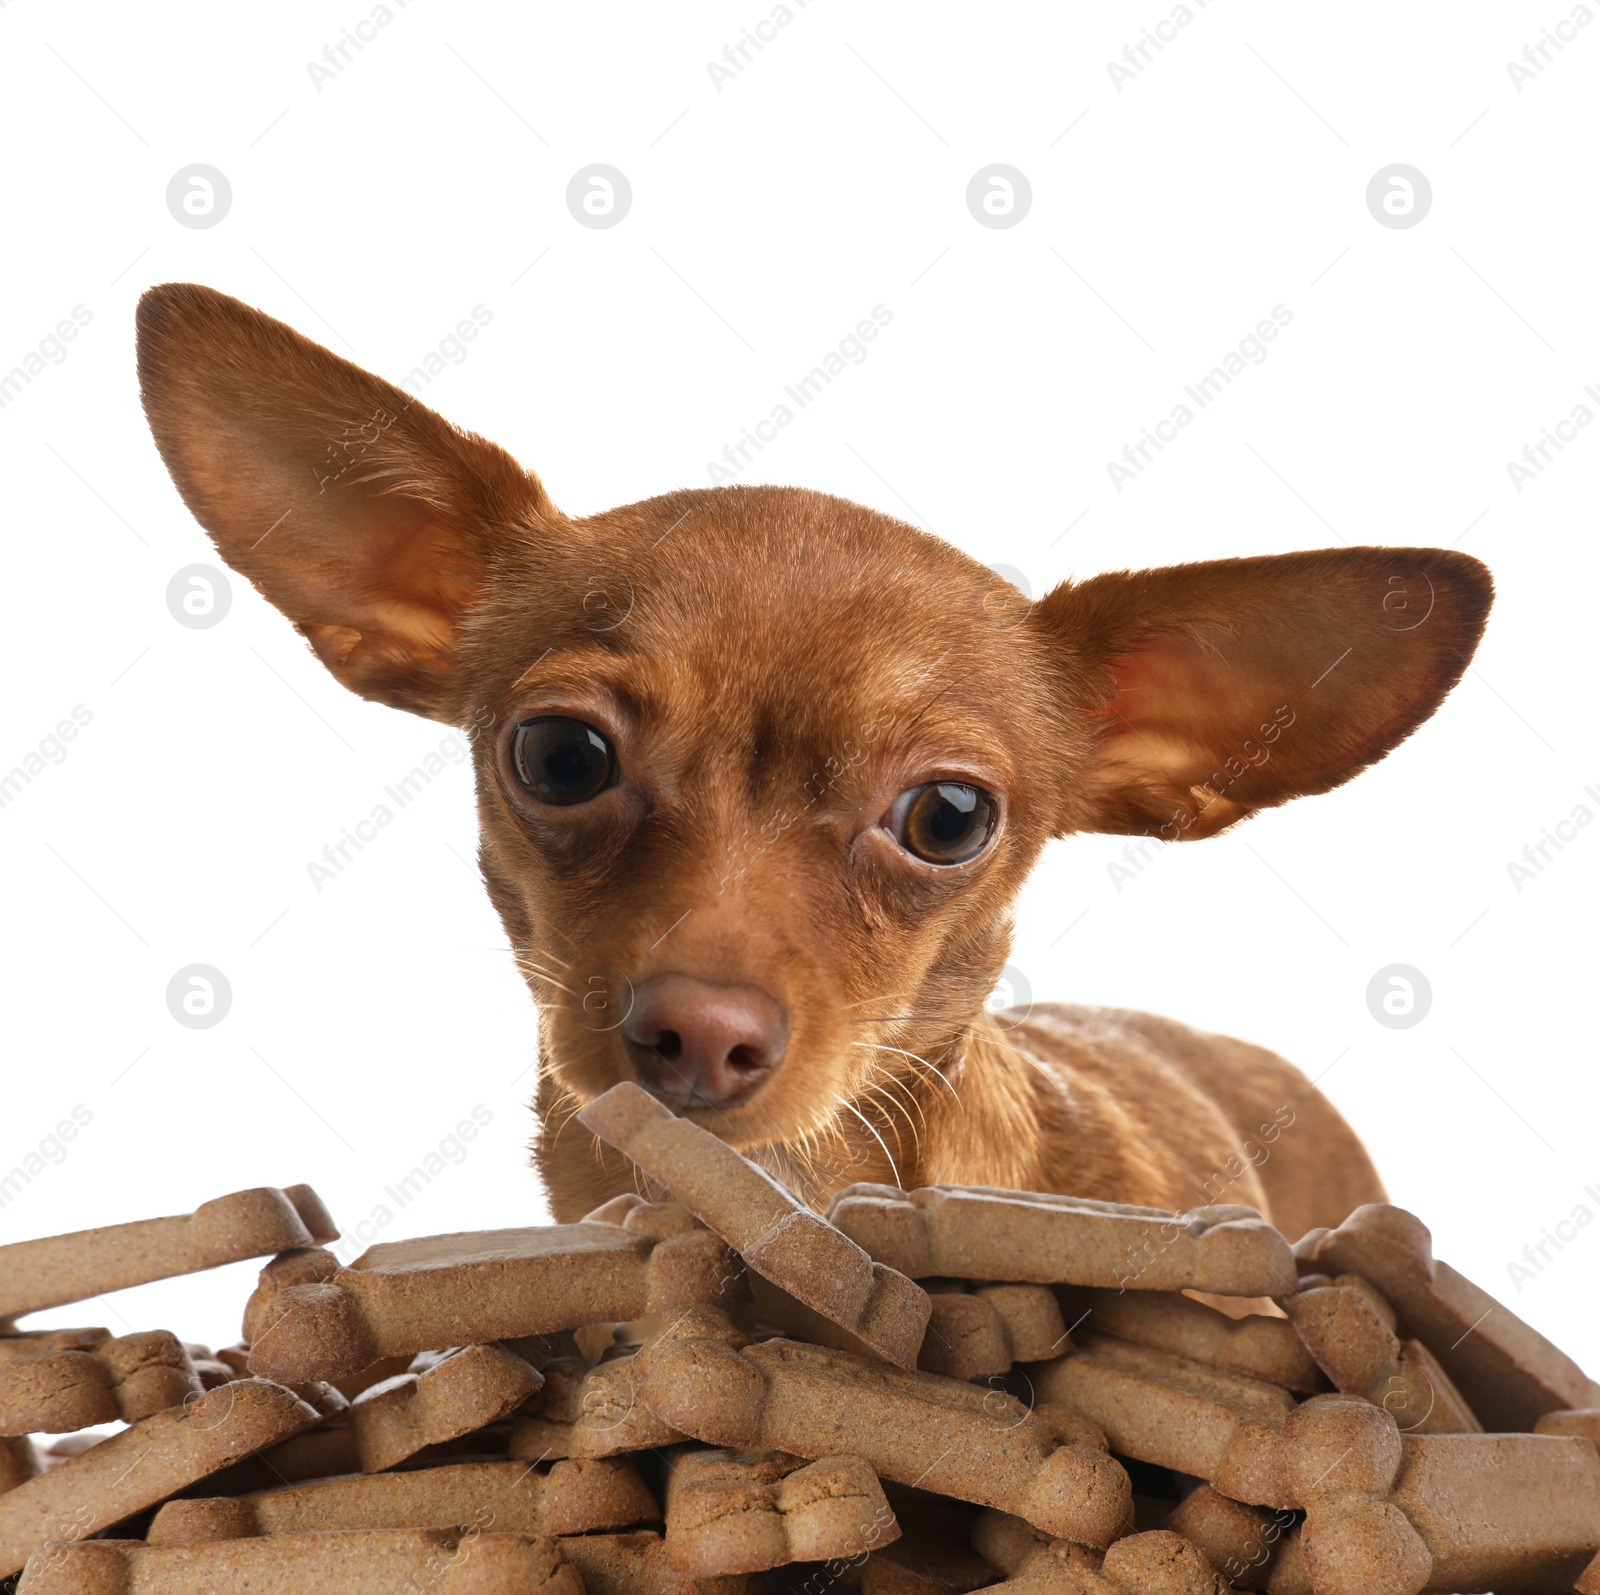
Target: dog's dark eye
x=562 y=761
x=948 y=822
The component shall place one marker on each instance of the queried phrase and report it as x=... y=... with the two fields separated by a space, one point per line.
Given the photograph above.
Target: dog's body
x=760 y=773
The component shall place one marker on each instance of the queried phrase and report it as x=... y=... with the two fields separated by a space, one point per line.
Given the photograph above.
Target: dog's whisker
x=892 y=1082
x=528 y=967
x=883 y=996
x=930 y=1069
x=850 y=1107
x=531 y=951
x=895 y=1109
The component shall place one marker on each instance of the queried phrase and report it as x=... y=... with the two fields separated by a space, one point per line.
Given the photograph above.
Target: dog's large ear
x=1214 y=690
x=366 y=518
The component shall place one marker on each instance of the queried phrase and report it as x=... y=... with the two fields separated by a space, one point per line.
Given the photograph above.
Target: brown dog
x=761 y=771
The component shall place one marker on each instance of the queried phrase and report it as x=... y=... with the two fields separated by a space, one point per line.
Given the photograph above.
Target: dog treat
x=1246 y=1544
x=211 y=1369
x=1509 y=1374
x=449 y=1397
x=1349 y=1328
x=743 y=1511
x=1255 y=1345
x=68 y=1268
x=972 y=1233
x=985 y=1446
x=636 y=1563
x=1589 y=1579
x=776 y=1234
x=978 y=1331
x=1158 y=1562
x=53 y=1390
x=310 y=1319
x=319 y=1453
x=590 y=1410
x=328 y=1399
x=19 y=1462
x=1158 y=1407
x=932 y=1556
x=974 y=1331
x=352 y=1384
x=1581 y=1421
x=146 y=1463
x=1402 y=1514
x=372 y=1562
x=576 y=1497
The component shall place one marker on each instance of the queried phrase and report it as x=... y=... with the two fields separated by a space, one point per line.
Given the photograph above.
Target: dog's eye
x=945 y=823
x=562 y=761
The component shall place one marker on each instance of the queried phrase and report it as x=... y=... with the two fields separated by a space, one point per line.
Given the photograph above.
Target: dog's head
x=760 y=771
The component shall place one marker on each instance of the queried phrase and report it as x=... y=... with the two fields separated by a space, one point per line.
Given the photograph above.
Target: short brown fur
x=773 y=667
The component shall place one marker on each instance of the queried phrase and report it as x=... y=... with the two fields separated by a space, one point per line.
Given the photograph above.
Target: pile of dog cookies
x=722 y=1392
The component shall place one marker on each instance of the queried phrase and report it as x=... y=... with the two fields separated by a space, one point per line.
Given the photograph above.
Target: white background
x=1168 y=216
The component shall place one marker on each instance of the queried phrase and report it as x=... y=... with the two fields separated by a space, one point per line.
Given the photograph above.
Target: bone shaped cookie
x=52 y=1389
x=576 y=1497
x=744 y=1511
x=144 y=1464
x=1396 y=1514
x=1509 y=1374
x=310 y=1319
x=1155 y=1563
x=916 y=1428
x=68 y=1268
x=1161 y=1408
x=971 y=1232
x=1255 y=1345
x=1349 y=1328
x=590 y=1410
x=776 y=1234
x=365 y=1562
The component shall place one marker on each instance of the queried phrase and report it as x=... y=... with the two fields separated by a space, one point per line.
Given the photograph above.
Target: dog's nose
x=699 y=1045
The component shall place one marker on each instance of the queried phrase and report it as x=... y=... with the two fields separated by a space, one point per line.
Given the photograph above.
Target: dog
x=761 y=771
